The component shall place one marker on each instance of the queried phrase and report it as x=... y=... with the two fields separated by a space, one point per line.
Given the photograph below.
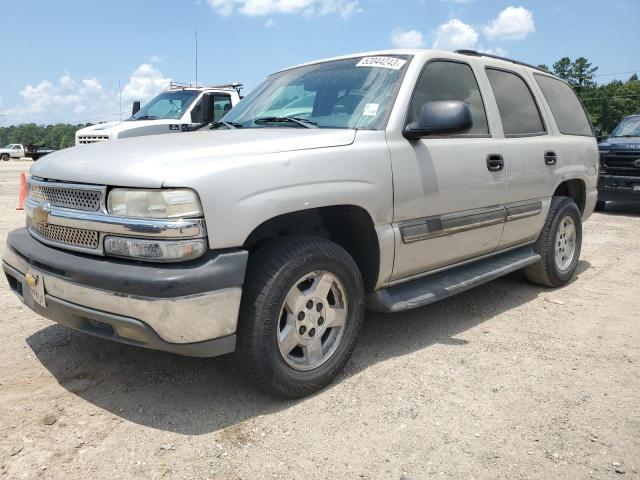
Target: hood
x=149 y=161
x=110 y=128
x=628 y=143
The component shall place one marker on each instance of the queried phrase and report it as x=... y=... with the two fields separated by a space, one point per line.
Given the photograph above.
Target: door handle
x=495 y=162
x=550 y=158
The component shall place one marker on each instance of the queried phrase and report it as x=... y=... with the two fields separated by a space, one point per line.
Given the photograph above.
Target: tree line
x=56 y=137
x=606 y=105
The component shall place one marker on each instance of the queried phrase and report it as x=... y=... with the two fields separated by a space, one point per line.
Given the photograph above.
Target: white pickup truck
x=178 y=109
x=18 y=150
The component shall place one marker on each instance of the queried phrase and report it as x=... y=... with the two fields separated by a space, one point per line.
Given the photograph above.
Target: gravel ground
x=505 y=381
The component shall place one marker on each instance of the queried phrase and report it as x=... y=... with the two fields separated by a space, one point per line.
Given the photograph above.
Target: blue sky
x=62 y=60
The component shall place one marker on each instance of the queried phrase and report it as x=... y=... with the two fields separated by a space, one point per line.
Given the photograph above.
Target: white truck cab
x=179 y=109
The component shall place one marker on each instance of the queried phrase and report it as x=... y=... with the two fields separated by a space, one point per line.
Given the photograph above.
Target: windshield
x=167 y=105
x=629 y=127
x=352 y=93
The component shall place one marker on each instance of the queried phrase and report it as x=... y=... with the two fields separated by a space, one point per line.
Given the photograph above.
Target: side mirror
x=448 y=116
x=136 y=107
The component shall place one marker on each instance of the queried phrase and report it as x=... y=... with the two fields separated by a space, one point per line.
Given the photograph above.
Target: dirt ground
x=505 y=381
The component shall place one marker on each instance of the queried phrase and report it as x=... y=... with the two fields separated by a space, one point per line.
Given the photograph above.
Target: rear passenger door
x=528 y=155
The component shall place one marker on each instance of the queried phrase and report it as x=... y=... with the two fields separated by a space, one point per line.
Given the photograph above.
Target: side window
x=565 y=106
x=221 y=105
x=518 y=109
x=444 y=80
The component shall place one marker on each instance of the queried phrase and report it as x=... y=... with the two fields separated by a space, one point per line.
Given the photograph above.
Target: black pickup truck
x=620 y=164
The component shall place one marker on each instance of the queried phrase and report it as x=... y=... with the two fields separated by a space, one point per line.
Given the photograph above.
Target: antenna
x=120 y=92
x=196 y=35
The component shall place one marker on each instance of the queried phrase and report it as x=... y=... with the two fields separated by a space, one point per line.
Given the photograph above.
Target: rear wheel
x=4 y=157
x=302 y=310
x=558 y=245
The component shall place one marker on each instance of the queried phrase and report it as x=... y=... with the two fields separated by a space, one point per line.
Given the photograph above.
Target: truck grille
x=75 y=237
x=65 y=197
x=622 y=163
x=86 y=139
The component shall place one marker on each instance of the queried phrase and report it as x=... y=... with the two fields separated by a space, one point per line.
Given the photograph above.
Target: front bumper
x=189 y=309
x=618 y=188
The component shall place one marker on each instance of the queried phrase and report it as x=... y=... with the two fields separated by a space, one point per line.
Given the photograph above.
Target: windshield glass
x=352 y=93
x=629 y=127
x=167 y=105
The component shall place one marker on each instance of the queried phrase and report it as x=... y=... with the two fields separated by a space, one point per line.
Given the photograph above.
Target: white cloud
x=308 y=8
x=454 y=35
x=157 y=58
x=269 y=23
x=72 y=100
x=145 y=82
x=407 y=39
x=512 y=23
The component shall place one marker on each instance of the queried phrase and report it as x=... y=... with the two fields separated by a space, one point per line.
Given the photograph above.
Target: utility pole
x=196 y=35
x=120 y=92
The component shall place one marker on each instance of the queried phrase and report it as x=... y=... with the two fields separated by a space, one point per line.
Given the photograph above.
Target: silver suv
x=386 y=180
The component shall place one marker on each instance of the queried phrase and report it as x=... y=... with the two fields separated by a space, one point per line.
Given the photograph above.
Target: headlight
x=155 y=250
x=166 y=203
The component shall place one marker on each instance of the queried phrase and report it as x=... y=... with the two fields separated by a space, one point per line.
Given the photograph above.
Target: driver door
x=449 y=190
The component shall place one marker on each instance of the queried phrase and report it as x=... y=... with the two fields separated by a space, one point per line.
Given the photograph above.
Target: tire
x=276 y=285
x=601 y=205
x=557 y=270
x=4 y=157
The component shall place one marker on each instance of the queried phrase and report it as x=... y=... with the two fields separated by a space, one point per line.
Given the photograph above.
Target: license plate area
x=35 y=281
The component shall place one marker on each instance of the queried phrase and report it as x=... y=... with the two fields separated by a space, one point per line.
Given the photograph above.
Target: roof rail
x=497 y=57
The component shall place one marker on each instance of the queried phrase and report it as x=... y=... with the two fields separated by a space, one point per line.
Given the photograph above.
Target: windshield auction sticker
x=382 y=62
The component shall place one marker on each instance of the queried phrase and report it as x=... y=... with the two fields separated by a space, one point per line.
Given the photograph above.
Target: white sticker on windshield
x=382 y=62
x=371 y=109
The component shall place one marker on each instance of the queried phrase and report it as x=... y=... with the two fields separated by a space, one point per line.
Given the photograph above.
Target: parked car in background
x=18 y=150
x=180 y=109
x=405 y=176
x=619 y=179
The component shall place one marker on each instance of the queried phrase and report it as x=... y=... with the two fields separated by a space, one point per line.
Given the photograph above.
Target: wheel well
x=349 y=226
x=574 y=189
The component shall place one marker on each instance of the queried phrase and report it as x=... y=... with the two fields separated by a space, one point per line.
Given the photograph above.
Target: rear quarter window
x=565 y=106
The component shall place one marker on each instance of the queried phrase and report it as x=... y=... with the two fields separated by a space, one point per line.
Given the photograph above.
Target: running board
x=430 y=289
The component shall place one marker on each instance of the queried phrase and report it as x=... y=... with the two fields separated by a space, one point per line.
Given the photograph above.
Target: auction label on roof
x=382 y=62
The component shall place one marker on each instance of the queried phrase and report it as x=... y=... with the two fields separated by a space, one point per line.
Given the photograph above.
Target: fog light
x=155 y=250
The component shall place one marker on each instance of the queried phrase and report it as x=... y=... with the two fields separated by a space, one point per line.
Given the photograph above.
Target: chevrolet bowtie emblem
x=41 y=214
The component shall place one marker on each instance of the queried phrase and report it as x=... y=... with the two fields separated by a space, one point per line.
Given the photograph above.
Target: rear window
x=565 y=106
x=518 y=110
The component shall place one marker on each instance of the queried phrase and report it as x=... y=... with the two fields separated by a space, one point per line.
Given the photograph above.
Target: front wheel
x=302 y=310
x=601 y=205
x=558 y=245
x=4 y=157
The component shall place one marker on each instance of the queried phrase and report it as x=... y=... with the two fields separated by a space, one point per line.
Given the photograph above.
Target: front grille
x=75 y=237
x=622 y=163
x=60 y=196
x=86 y=139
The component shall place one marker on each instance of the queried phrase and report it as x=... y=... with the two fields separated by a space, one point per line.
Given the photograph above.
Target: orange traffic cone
x=23 y=191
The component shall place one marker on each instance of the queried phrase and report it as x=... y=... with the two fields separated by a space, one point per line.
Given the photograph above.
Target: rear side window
x=565 y=106
x=518 y=109
x=442 y=80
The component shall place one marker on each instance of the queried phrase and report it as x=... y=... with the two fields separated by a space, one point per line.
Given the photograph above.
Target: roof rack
x=178 y=85
x=235 y=85
x=497 y=57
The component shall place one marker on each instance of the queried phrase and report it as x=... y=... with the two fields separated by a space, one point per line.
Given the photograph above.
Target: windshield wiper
x=303 y=122
x=146 y=117
x=626 y=136
x=230 y=125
